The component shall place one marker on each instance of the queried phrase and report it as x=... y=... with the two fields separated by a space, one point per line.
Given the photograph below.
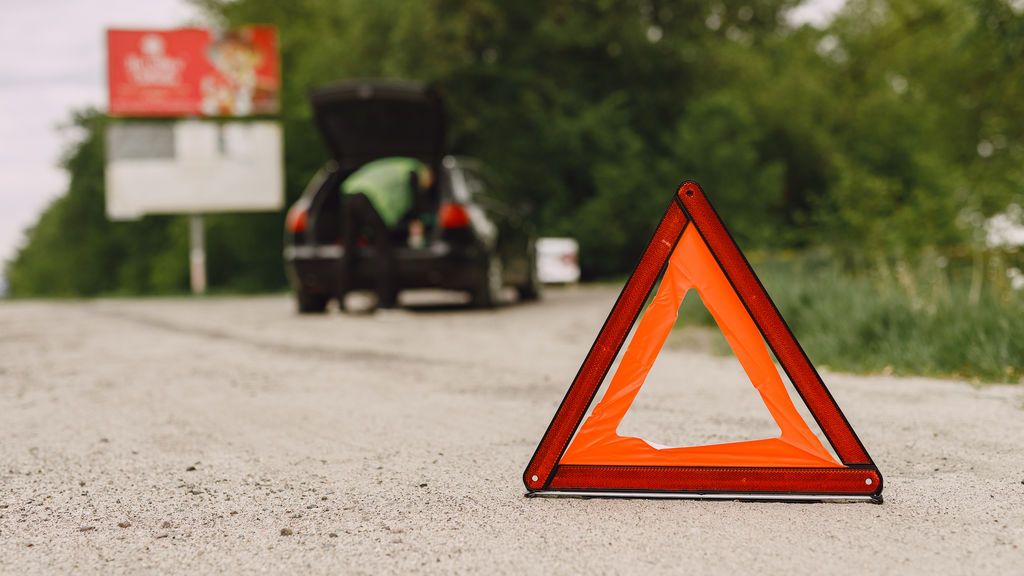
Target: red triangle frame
x=857 y=479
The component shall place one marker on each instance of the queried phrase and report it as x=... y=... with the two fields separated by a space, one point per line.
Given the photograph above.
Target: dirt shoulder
x=229 y=435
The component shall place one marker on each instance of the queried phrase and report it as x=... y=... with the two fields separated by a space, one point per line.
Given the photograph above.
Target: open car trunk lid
x=363 y=120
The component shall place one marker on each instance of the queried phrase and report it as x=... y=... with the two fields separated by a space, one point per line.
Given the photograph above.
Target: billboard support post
x=197 y=254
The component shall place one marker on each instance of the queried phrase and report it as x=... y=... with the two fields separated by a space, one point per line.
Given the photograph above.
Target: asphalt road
x=230 y=435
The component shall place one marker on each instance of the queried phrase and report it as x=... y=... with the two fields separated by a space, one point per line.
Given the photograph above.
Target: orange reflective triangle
x=692 y=250
x=692 y=266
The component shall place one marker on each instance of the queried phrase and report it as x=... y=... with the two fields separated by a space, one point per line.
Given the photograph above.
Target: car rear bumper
x=317 y=269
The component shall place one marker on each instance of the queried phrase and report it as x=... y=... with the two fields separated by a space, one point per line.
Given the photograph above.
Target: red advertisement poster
x=193 y=72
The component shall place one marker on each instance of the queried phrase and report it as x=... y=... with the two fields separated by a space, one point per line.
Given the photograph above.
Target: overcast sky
x=53 y=63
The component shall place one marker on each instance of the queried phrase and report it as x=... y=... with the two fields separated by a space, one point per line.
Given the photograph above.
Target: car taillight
x=296 y=220
x=453 y=216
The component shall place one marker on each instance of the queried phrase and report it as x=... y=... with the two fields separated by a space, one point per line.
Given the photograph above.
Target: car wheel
x=310 y=303
x=531 y=291
x=487 y=293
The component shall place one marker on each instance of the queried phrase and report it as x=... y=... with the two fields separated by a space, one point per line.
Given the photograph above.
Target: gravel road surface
x=228 y=435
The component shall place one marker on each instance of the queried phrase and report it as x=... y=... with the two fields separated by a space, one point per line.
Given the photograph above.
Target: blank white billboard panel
x=193 y=167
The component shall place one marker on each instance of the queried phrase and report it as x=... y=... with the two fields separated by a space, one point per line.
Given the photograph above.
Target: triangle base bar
x=735 y=496
x=855 y=481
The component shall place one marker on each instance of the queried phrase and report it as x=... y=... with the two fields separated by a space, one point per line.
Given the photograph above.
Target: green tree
x=880 y=137
x=73 y=250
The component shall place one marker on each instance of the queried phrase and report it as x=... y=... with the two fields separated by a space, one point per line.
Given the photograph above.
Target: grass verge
x=928 y=321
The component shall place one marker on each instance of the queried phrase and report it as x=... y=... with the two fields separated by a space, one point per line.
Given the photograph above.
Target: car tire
x=532 y=290
x=487 y=293
x=311 y=303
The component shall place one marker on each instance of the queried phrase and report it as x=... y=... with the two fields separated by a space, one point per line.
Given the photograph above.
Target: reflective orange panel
x=692 y=266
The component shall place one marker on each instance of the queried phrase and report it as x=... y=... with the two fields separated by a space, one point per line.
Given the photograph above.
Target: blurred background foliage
x=878 y=144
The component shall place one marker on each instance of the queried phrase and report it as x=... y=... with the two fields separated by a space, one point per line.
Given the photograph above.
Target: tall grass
x=932 y=319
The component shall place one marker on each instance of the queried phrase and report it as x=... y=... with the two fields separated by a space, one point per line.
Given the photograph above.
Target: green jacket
x=388 y=185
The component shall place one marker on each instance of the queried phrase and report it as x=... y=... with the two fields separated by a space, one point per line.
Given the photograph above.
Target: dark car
x=473 y=242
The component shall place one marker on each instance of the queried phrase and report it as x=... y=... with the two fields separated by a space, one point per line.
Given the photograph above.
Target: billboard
x=193 y=72
x=193 y=166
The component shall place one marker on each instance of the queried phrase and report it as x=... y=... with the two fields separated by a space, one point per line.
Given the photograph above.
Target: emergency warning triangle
x=692 y=250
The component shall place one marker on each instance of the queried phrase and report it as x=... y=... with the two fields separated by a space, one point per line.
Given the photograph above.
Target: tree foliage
x=74 y=251
x=873 y=137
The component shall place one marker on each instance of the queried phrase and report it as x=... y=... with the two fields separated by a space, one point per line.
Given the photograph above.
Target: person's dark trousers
x=359 y=217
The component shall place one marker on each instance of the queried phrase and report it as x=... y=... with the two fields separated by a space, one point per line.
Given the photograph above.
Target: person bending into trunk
x=379 y=199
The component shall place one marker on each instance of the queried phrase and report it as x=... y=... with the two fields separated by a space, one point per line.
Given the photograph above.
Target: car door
x=512 y=239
